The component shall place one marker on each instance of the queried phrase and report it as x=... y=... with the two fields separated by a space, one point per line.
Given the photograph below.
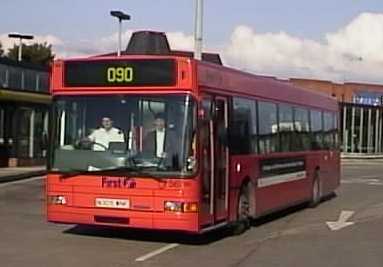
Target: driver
x=105 y=134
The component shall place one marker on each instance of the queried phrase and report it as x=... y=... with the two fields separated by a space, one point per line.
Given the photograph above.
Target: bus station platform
x=18 y=173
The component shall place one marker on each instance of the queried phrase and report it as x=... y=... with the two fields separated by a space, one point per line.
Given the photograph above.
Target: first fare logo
x=117 y=182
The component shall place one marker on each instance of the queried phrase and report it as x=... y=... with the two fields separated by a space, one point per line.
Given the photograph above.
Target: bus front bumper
x=177 y=221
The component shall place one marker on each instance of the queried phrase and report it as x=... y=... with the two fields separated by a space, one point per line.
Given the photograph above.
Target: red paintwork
x=149 y=194
x=146 y=201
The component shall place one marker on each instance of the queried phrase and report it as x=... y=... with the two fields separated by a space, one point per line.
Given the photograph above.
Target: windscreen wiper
x=75 y=172
x=131 y=170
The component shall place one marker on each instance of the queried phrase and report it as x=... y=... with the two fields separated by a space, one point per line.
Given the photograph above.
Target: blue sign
x=368 y=98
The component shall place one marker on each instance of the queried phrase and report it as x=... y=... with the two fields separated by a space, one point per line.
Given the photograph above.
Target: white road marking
x=22 y=181
x=158 y=251
x=363 y=180
x=342 y=221
x=375 y=183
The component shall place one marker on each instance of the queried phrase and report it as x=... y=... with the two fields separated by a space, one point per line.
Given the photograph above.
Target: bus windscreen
x=120 y=73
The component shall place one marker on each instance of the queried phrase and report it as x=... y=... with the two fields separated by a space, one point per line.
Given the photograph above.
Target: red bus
x=169 y=142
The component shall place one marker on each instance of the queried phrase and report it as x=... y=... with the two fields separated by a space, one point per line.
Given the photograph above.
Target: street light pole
x=120 y=16
x=198 y=30
x=20 y=37
x=119 y=36
x=19 y=57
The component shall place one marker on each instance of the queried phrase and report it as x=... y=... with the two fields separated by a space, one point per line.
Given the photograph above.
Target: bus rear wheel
x=316 y=194
x=243 y=212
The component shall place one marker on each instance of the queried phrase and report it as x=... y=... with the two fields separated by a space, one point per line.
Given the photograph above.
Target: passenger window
x=329 y=137
x=205 y=147
x=268 y=127
x=244 y=127
x=335 y=131
x=286 y=127
x=316 y=130
x=301 y=138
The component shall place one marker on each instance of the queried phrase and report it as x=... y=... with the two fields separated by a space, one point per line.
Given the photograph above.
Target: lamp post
x=20 y=37
x=120 y=16
x=198 y=30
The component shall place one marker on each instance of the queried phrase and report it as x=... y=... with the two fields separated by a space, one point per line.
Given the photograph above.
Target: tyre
x=243 y=212
x=316 y=191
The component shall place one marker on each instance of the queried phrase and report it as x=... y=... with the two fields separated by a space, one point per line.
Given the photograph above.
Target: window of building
x=3 y=76
x=268 y=127
x=244 y=127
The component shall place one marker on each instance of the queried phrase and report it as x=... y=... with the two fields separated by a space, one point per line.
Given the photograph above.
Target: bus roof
x=221 y=79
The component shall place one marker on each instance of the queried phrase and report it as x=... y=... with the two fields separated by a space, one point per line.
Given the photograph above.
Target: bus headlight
x=176 y=206
x=57 y=200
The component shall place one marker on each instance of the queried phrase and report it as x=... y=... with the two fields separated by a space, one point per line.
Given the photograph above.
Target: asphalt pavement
x=297 y=237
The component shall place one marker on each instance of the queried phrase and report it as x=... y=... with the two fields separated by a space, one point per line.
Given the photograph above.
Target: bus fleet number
x=120 y=74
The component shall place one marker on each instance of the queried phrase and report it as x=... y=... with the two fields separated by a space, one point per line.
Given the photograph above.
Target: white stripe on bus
x=283 y=178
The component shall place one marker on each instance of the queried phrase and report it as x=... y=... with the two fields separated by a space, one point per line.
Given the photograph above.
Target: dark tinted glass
x=268 y=127
x=115 y=73
x=244 y=127
x=316 y=130
x=286 y=126
x=301 y=140
x=329 y=135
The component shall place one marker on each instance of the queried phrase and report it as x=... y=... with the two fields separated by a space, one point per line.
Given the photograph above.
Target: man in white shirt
x=105 y=134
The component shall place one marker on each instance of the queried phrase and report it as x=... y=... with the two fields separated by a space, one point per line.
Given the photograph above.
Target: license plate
x=112 y=203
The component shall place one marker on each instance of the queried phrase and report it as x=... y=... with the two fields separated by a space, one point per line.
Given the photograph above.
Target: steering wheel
x=87 y=144
x=101 y=145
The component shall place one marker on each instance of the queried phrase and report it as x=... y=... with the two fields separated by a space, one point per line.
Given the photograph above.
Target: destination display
x=120 y=73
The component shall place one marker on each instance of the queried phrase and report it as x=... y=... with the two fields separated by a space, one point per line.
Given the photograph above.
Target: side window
x=206 y=107
x=316 y=130
x=301 y=139
x=328 y=120
x=149 y=110
x=244 y=127
x=286 y=127
x=335 y=130
x=268 y=127
x=205 y=146
x=2 y=123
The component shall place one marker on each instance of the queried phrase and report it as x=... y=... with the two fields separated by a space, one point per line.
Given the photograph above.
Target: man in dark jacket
x=162 y=142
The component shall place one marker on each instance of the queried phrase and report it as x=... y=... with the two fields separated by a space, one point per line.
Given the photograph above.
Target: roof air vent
x=148 y=43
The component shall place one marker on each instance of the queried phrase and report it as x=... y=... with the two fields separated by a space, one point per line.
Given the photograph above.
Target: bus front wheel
x=243 y=212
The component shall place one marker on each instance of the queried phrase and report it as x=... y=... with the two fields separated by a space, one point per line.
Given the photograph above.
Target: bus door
x=214 y=161
x=221 y=159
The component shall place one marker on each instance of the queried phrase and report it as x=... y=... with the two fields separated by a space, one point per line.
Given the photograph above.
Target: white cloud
x=351 y=53
x=50 y=39
x=180 y=41
x=177 y=40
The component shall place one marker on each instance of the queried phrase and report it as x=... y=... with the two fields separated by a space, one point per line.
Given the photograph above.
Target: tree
x=1 y=50
x=35 y=53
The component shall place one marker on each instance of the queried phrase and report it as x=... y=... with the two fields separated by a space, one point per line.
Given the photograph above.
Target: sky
x=338 y=40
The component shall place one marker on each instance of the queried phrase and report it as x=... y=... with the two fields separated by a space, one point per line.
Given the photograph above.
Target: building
x=24 y=105
x=361 y=113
